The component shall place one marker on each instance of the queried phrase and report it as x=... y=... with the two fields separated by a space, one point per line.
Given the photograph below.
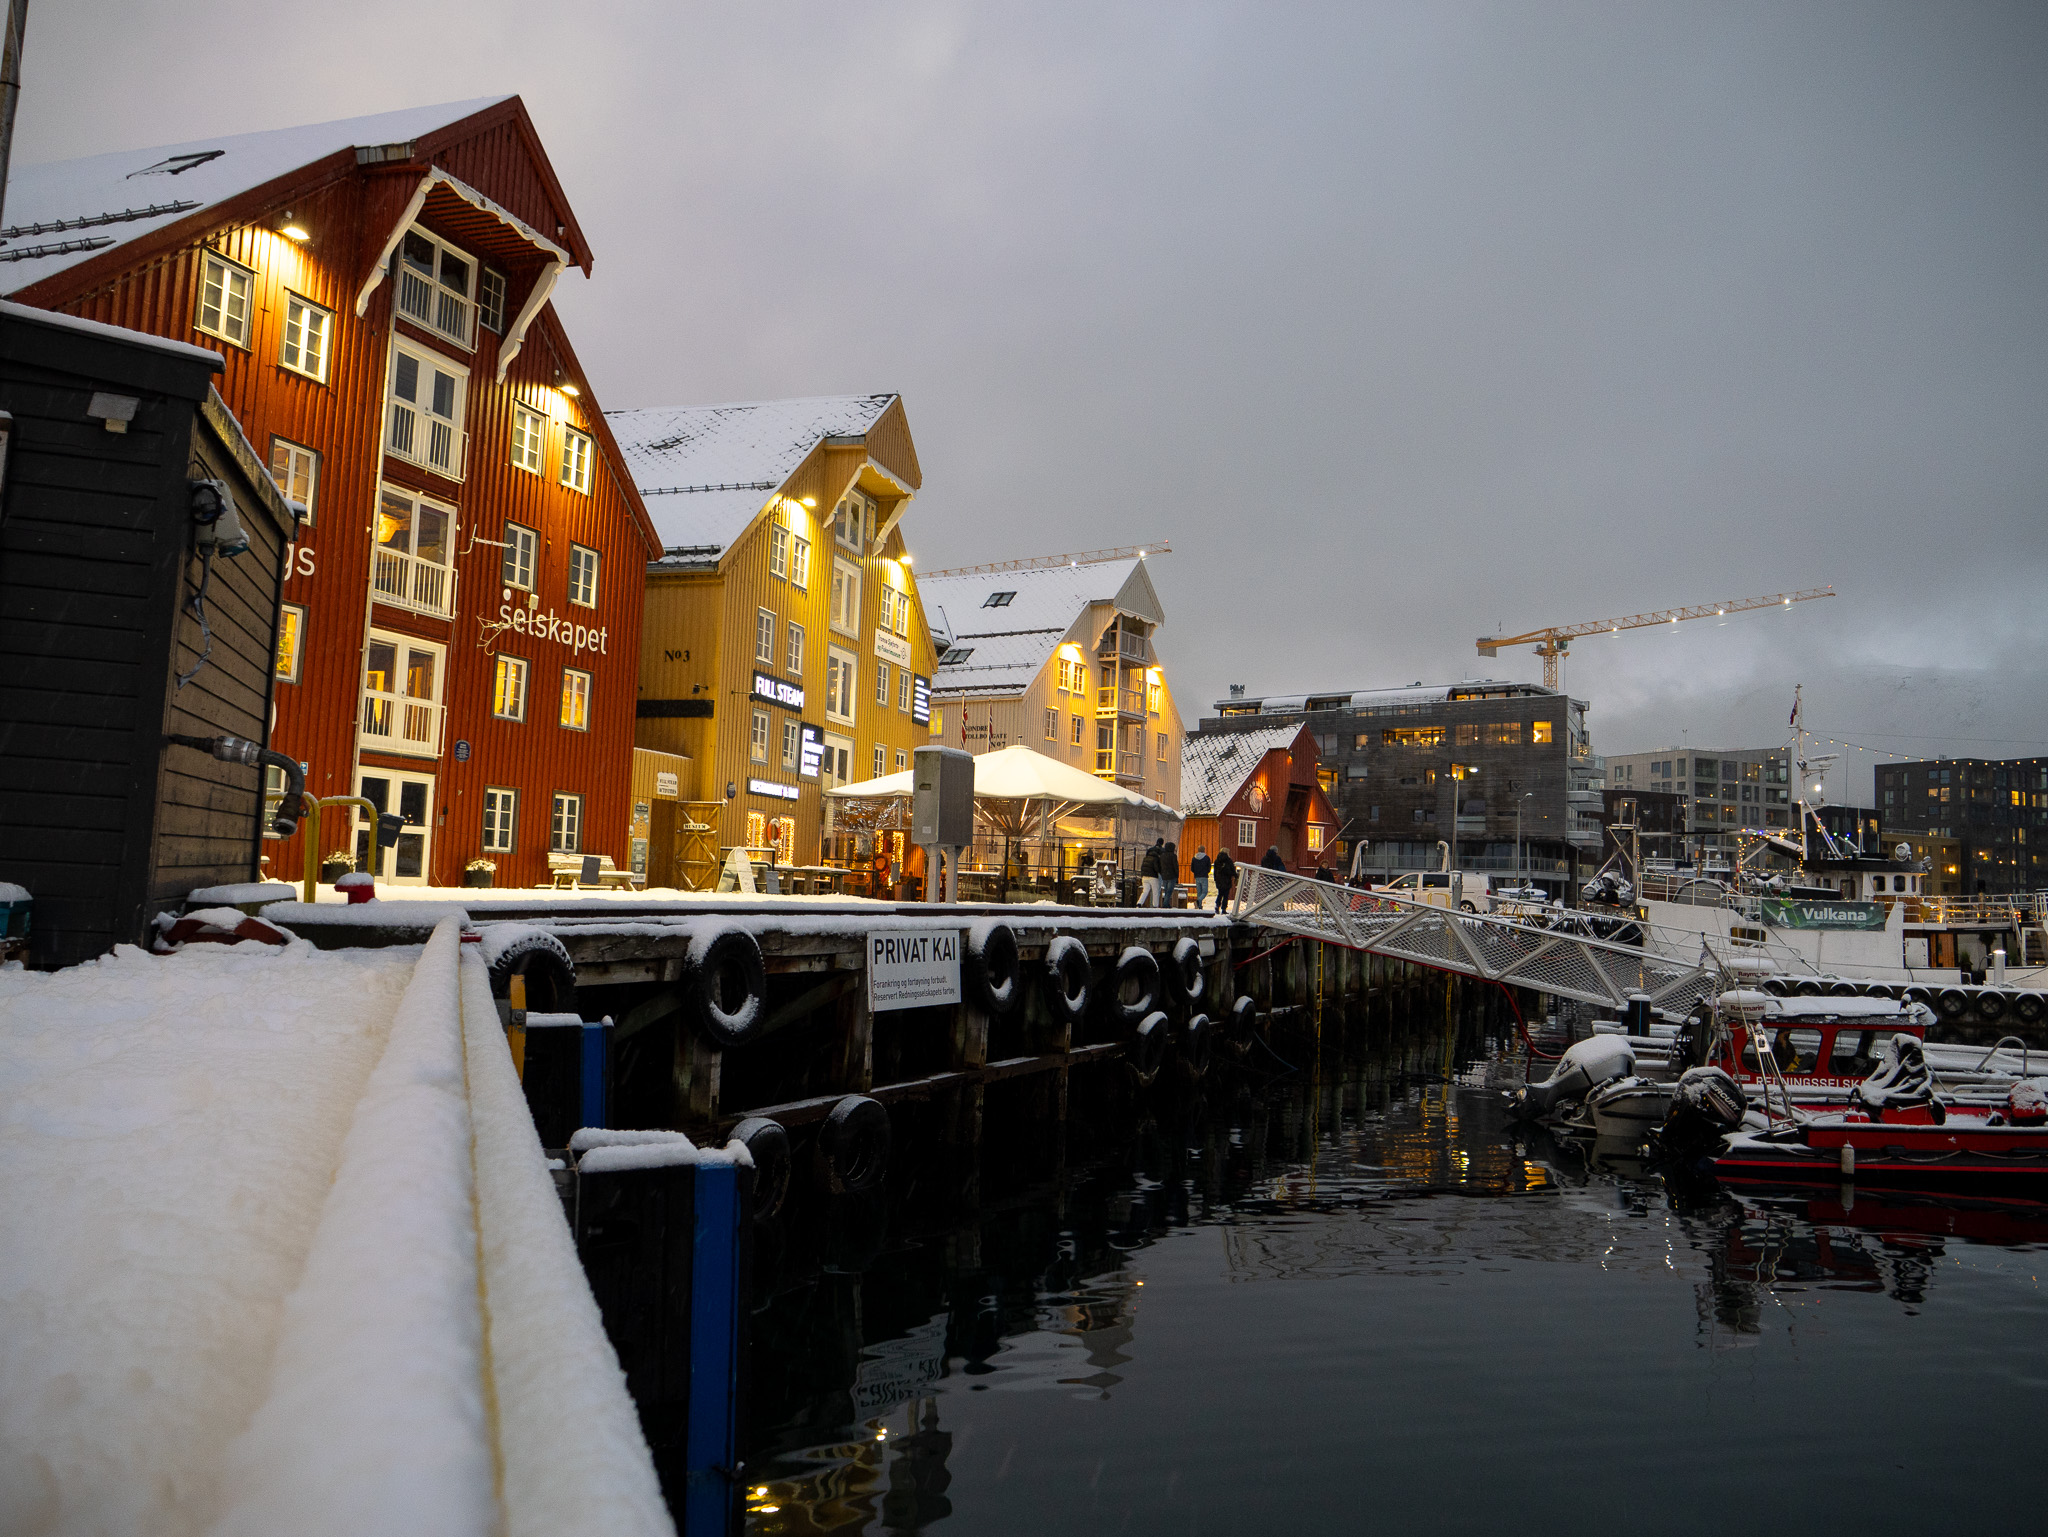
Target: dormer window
x=437 y=286
x=998 y=600
x=853 y=521
x=956 y=655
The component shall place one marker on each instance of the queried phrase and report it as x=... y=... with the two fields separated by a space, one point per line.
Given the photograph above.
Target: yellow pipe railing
x=311 y=830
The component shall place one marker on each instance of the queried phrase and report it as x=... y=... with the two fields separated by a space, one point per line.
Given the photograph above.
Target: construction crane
x=1552 y=644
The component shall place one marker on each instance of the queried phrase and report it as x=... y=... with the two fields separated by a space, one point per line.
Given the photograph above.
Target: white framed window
x=1073 y=677
x=800 y=562
x=1052 y=725
x=437 y=286
x=1315 y=837
x=1077 y=729
x=508 y=688
x=565 y=830
x=426 y=407
x=885 y=600
x=224 y=290
x=490 y=300
x=501 y=818
x=778 y=551
x=882 y=685
x=903 y=689
x=764 y=636
x=901 y=619
x=516 y=569
x=881 y=761
x=852 y=520
x=308 y=335
x=795 y=650
x=757 y=739
x=291 y=641
x=1152 y=698
x=413 y=565
x=296 y=469
x=1247 y=833
x=575 y=459
x=845 y=597
x=1162 y=746
x=529 y=432
x=792 y=743
x=840 y=673
x=902 y=760
x=402 y=710
x=582 y=576
x=575 y=699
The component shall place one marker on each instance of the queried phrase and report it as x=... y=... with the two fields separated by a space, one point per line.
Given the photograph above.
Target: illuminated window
x=1539 y=733
x=224 y=300
x=575 y=699
x=1315 y=837
x=291 y=640
x=1413 y=736
x=757 y=830
x=308 y=330
x=1468 y=734
x=508 y=689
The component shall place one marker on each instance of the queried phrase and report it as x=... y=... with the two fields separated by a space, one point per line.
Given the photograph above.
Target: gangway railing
x=1511 y=951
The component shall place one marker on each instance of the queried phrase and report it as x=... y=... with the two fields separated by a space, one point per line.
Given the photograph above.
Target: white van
x=1475 y=892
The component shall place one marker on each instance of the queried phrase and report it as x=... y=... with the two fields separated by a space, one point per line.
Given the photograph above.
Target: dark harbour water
x=1351 y=1298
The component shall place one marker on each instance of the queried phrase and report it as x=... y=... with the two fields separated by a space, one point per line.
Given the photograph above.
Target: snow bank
x=169 y=1127
x=375 y=1416
x=238 y=892
x=569 y=1440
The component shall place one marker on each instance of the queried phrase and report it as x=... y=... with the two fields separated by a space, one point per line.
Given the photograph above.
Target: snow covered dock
x=282 y=1254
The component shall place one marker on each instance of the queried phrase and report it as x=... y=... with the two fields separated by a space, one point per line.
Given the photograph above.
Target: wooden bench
x=578 y=872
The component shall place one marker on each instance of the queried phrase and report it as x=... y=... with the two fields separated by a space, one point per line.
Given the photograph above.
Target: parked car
x=1475 y=893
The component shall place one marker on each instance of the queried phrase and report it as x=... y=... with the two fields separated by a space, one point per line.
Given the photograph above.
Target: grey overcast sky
x=1402 y=322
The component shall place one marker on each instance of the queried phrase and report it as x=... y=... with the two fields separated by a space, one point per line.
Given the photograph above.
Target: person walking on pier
x=1169 y=875
x=1198 y=867
x=1273 y=861
x=1148 y=867
x=1226 y=877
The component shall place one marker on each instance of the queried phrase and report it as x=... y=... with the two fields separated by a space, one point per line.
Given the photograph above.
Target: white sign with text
x=909 y=969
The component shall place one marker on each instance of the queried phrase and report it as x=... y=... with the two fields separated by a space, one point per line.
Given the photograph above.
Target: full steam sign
x=907 y=970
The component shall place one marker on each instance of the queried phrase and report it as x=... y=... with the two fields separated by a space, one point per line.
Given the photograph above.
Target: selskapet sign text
x=909 y=968
x=550 y=626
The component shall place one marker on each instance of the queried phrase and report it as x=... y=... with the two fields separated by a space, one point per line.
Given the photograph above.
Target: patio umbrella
x=1010 y=783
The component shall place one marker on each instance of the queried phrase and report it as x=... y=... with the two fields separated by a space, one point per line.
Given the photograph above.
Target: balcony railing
x=401 y=724
x=1129 y=702
x=406 y=581
x=437 y=308
x=432 y=442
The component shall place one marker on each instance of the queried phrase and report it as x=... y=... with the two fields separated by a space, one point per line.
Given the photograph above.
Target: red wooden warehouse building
x=460 y=637
x=1250 y=791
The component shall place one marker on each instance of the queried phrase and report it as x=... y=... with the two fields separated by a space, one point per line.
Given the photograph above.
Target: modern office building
x=1995 y=809
x=1724 y=789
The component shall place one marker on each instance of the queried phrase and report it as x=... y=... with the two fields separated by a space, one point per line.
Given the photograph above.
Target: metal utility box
x=942 y=798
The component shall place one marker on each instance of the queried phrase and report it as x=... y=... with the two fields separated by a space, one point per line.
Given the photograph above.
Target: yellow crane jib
x=1554 y=641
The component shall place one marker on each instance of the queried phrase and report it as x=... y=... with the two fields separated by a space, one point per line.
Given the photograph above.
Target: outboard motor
x=1901 y=1079
x=1706 y=1104
x=1581 y=1070
x=1603 y=891
x=1695 y=1038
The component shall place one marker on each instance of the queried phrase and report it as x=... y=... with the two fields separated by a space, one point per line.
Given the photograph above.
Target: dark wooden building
x=124 y=622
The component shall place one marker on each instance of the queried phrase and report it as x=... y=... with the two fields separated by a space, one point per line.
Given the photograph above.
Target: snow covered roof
x=104 y=332
x=173 y=182
x=1213 y=767
x=1009 y=639
x=707 y=471
x=1382 y=698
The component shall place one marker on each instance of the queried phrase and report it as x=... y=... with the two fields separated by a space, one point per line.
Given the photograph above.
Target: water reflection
x=878 y=1328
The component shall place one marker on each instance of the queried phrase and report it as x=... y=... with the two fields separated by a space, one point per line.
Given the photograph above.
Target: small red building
x=460 y=637
x=1248 y=791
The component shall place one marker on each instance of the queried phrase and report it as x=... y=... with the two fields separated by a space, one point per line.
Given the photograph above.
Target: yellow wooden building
x=783 y=649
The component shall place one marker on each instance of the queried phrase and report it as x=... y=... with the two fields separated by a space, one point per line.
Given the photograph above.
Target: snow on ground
x=169 y=1127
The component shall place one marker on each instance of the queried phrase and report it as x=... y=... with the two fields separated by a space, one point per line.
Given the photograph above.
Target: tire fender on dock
x=2027 y=1008
x=1244 y=1020
x=1953 y=1002
x=725 y=984
x=542 y=960
x=1991 y=1005
x=768 y=1145
x=1136 y=967
x=853 y=1145
x=1187 y=965
x=1068 y=981
x=993 y=971
x=1196 y=1039
x=1147 y=1052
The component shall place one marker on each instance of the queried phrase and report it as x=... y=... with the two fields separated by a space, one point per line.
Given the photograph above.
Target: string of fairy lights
x=1907 y=757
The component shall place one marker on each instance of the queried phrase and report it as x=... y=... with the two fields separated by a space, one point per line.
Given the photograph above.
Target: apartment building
x=1995 y=810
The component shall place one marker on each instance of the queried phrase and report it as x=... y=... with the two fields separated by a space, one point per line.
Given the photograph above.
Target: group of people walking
x=1160 y=870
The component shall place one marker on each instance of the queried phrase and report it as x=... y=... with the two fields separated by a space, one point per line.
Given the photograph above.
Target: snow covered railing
x=1495 y=949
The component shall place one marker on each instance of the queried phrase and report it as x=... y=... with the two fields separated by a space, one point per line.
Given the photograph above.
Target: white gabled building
x=1059 y=655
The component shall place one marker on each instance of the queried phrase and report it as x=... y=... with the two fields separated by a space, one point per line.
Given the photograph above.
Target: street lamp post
x=1521 y=865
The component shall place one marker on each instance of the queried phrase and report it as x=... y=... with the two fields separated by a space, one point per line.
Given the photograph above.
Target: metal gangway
x=1512 y=951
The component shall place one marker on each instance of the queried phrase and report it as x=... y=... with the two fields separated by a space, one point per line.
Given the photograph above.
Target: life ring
x=726 y=986
x=543 y=961
x=853 y=1145
x=768 y=1145
x=1953 y=1002
x=1196 y=1037
x=1991 y=1006
x=1068 y=979
x=2027 y=1008
x=993 y=969
x=1147 y=1052
x=1187 y=961
x=1136 y=967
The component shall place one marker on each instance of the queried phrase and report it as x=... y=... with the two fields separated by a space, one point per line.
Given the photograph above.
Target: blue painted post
x=711 y=1446
x=593 y=1097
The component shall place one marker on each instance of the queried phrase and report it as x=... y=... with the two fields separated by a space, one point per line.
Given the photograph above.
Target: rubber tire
x=1842 y=989
x=1197 y=1036
x=1991 y=1005
x=550 y=975
x=994 y=974
x=853 y=1145
x=1187 y=960
x=1881 y=990
x=1918 y=994
x=1143 y=966
x=2027 y=1008
x=1776 y=986
x=1068 y=983
x=1467 y=907
x=1244 y=1018
x=733 y=955
x=1147 y=1053
x=1807 y=988
x=1952 y=1002
x=768 y=1145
